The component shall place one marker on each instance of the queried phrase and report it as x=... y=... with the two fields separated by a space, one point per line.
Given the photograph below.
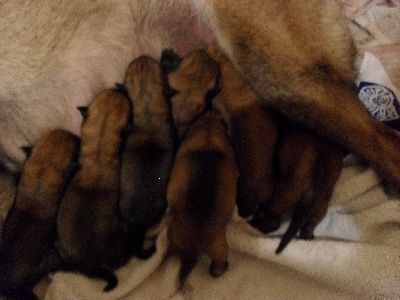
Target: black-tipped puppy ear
x=129 y=129
x=169 y=92
x=170 y=60
x=27 y=150
x=84 y=111
x=120 y=88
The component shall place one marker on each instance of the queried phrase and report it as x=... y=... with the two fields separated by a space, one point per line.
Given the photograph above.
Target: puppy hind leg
x=218 y=252
x=245 y=200
x=330 y=167
x=268 y=217
x=136 y=242
x=319 y=212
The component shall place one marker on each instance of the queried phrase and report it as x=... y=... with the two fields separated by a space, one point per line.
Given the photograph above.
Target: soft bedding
x=356 y=255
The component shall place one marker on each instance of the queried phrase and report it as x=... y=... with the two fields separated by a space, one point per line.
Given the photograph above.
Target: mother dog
x=297 y=55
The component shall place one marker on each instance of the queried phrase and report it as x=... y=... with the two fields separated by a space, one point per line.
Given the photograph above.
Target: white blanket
x=356 y=254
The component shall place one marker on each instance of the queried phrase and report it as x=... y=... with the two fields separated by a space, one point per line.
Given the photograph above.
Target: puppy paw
x=218 y=268
x=306 y=235
x=265 y=222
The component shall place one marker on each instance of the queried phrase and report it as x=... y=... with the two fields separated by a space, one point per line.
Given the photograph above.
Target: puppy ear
x=120 y=88
x=84 y=111
x=169 y=92
x=212 y=93
x=129 y=129
x=27 y=150
x=74 y=167
x=170 y=61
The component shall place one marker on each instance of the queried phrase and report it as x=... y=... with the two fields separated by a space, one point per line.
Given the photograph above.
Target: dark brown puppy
x=90 y=232
x=202 y=188
x=148 y=154
x=201 y=195
x=308 y=169
x=27 y=250
x=253 y=133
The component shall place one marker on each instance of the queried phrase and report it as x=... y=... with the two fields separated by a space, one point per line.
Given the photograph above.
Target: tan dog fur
x=89 y=229
x=252 y=131
x=299 y=57
x=148 y=154
x=28 y=251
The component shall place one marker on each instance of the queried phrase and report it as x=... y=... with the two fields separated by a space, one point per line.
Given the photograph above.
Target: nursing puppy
x=202 y=188
x=298 y=56
x=308 y=169
x=27 y=249
x=252 y=131
x=201 y=195
x=148 y=154
x=192 y=84
x=91 y=236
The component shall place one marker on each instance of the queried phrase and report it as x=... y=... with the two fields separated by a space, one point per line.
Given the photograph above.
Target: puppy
x=192 y=84
x=148 y=154
x=201 y=195
x=202 y=188
x=27 y=249
x=252 y=131
x=91 y=236
x=308 y=169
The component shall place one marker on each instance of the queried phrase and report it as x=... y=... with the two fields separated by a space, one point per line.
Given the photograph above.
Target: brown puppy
x=27 y=249
x=193 y=83
x=308 y=169
x=89 y=229
x=201 y=195
x=252 y=131
x=202 y=188
x=148 y=154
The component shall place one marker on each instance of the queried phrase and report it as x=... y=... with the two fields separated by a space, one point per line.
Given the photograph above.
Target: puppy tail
x=170 y=60
x=299 y=218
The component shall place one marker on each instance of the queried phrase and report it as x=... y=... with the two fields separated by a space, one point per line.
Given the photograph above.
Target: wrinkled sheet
x=356 y=254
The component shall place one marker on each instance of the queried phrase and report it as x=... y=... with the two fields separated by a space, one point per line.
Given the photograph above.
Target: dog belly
x=57 y=55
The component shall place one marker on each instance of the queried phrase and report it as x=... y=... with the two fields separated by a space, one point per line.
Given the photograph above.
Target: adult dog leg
x=298 y=56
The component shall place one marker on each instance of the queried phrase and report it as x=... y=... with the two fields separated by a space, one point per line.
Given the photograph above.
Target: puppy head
x=143 y=74
x=196 y=82
x=57 y=149
x=49 y=167
x=145 y=87
x=107 y=117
